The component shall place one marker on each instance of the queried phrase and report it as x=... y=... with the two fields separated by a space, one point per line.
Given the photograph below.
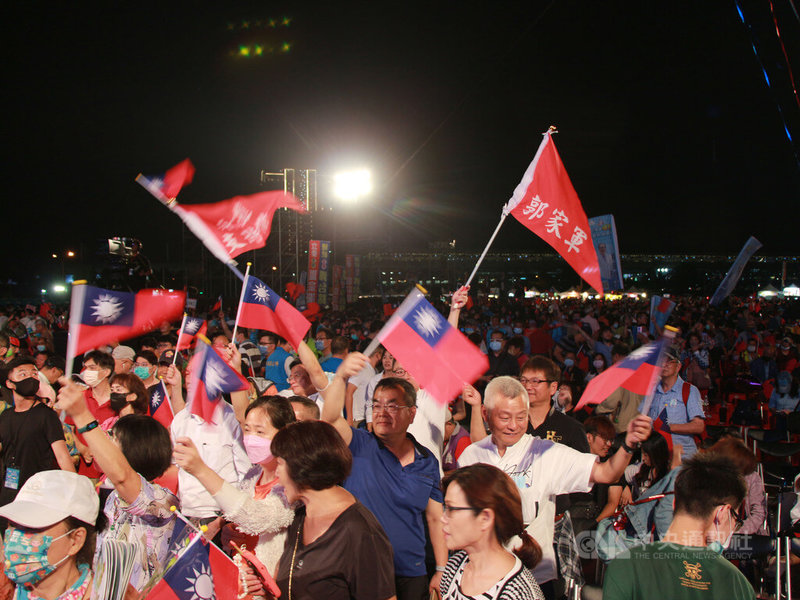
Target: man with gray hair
x=542 y=469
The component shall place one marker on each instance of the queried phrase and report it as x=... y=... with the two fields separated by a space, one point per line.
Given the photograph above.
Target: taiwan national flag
x=210 y=377
x=261 y=308
x=637 y=372
x=160 y=406
x=660 y=310
x=99 y=316
x=202 y=571
x=436 y=354
x=192 y=327
x=166 y=187
x=217 y=305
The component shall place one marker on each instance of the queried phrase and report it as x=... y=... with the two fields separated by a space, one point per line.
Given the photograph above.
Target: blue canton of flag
x=157 y=396
x=427 y=322
x=107 y=307
x=191 y=576
x=192 y=325
x=259 y=293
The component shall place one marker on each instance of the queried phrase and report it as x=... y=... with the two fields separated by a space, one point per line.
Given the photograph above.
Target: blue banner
x=604 y=238
x=735 y=272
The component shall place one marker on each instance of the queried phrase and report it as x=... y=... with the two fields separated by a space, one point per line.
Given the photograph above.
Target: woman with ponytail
x=482 y=512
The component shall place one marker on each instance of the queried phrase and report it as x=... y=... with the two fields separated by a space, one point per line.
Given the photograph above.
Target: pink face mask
x=258 y=449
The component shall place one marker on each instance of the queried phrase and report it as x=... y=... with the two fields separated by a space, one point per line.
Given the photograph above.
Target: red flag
x=201 y=571
x=210 y=377
x=438 y=356
x=546 y=203
x=192 y=327
x=166 y=187
x=261 y=308
x=637 y=372
x=160 y=406
x=99 y=316
x=217 y=305
x=236 y=225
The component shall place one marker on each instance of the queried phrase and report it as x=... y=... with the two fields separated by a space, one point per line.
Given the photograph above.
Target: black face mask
x=118 y=401
x=27 y=387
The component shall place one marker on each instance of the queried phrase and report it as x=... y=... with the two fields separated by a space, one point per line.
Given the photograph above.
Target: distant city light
x=352 y=185
x=59 y=289
x=54 y=255
x=70 y=253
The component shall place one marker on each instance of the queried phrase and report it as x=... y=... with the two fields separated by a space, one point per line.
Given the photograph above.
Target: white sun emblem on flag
x=261 y=293
x=426 y=320
x=155 y=400
x=215 y=379
x=107 y=308
x=192 y=326
x=201 y=586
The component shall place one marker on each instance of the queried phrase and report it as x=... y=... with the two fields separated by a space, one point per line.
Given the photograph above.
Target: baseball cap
x=123 y=353
x=672 y=353
x=51 y=496
x=166 y=357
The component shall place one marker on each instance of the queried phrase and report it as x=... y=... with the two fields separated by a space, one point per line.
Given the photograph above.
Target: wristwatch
x=88 y=427
x=629 y=449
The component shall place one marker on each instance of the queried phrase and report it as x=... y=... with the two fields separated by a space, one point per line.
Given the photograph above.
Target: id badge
x=12 y=478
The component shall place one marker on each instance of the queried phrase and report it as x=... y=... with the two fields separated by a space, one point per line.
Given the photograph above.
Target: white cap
x=123 y=353
x=49 y=497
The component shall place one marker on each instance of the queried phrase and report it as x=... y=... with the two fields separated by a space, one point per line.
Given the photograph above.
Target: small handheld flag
x=190 y=329
x=210 y=376
x=160 y=406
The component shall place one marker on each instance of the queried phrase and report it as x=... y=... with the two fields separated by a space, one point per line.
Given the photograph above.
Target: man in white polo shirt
x=541 y=468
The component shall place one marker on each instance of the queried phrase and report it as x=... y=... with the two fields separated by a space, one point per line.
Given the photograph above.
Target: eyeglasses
x=739 y=520
x=448 y=509
x=534 y=381
x=390 y=408
x=399 y=372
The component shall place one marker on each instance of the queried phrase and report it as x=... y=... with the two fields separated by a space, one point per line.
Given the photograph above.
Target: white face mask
x=92 y=378
x=598 y=364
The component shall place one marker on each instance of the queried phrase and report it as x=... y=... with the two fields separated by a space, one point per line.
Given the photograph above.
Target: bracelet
x=627 y=448
x=325 y=388
x=88 y=427
x=439 y=569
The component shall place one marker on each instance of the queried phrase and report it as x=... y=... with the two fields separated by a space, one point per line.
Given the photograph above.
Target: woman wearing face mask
x=50 y=540
x=145 y=367
x=128 y=397
x=786 y=396
x=256 y=508
x=598 y=366
x=138 y=510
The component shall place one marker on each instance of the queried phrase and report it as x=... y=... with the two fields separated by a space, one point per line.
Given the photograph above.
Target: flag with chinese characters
x=660 y=310
x=165 y=187
x=201 y=572
x=99 y=316
x=547 y=204
x=160 y=406
x=435 y=353
x=637 y=372
x=210 y=377
x=192 y=327
x=261 y=308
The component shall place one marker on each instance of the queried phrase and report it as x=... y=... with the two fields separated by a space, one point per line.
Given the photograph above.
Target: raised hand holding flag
x=210 y=376
x=160 y=406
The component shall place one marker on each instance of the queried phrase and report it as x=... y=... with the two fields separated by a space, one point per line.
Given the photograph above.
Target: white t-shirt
x=361 y=381
x=542 y=470
x=428 y=425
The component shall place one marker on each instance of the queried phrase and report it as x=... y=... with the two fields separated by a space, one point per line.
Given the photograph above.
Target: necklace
x=294 y=554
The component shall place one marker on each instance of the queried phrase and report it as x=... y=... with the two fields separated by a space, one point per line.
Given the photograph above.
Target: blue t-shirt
x=275 y=368
x=330 y=365
x=670 y=407
x=396 y=495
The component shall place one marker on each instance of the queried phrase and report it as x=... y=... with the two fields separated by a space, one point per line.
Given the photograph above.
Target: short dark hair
x=55 y=362
x=340 y=344
x=278 y=409
x=148 y=355
x=328 y=333
x=148 y=341
x=402 y=386
x=600 y=425
x=4 y=341
x=620 y=349
x=543 y=364
x=516 y=342
x=315 y=454
x=145 y=443
x=294 y=363
x=308 y=403
x=18 y=361
x=104 y=360
x=705 y=481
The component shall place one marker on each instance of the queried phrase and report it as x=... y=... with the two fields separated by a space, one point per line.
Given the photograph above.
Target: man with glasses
x=542 y=469
x=687 y=563
x=393 y=475
x=677 y=409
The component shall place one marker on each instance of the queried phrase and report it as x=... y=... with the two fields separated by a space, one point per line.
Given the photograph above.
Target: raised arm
x=106 y=453
x=611 y=470
x=477 y=429
x=174 y=382
x=334 y=394
x=459 y=301
x=311 y=363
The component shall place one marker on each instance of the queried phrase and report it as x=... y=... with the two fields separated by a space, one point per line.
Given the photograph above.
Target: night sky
x=664 y=115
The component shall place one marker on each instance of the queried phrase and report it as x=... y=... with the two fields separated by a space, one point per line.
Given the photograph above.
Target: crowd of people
x=345 y=479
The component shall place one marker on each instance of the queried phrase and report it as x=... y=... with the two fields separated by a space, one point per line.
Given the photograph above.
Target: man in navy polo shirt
x=393 y=475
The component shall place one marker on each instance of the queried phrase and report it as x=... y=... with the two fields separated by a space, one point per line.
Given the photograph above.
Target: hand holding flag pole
x=175 y=355
x=75 y=312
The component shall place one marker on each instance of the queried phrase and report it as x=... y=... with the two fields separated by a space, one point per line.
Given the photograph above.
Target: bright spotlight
x=352 y=184
x=70 y=254
x=59 y=289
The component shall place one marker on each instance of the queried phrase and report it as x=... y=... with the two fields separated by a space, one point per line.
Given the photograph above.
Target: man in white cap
x=123 y=359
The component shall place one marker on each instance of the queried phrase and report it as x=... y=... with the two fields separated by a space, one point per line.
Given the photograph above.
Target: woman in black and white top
x=482 y=512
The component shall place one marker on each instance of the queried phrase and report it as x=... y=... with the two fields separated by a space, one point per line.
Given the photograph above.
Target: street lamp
x=352 y=185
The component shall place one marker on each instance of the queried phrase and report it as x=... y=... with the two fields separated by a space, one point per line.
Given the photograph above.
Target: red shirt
x=101 y=413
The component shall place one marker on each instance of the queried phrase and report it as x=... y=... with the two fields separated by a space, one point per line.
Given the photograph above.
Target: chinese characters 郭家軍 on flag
x=547 y=204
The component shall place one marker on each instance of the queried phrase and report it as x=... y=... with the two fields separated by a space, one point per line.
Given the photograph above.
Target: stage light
x=59 y=289
x=352 y=185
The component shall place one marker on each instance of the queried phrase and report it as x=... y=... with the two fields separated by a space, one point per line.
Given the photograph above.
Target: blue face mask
x=495 y=346
x=41 y=347
x=354 y=336
x=320 y=345
x=568 y=362
x=517 y=330
x=26 y=556
x=141 y=372
x=263 y=350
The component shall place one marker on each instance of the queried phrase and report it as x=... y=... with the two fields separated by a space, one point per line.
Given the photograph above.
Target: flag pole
x=241 y=299
x=485 y=250
x=180 y=331
x=669 y=334
x=75 y=314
